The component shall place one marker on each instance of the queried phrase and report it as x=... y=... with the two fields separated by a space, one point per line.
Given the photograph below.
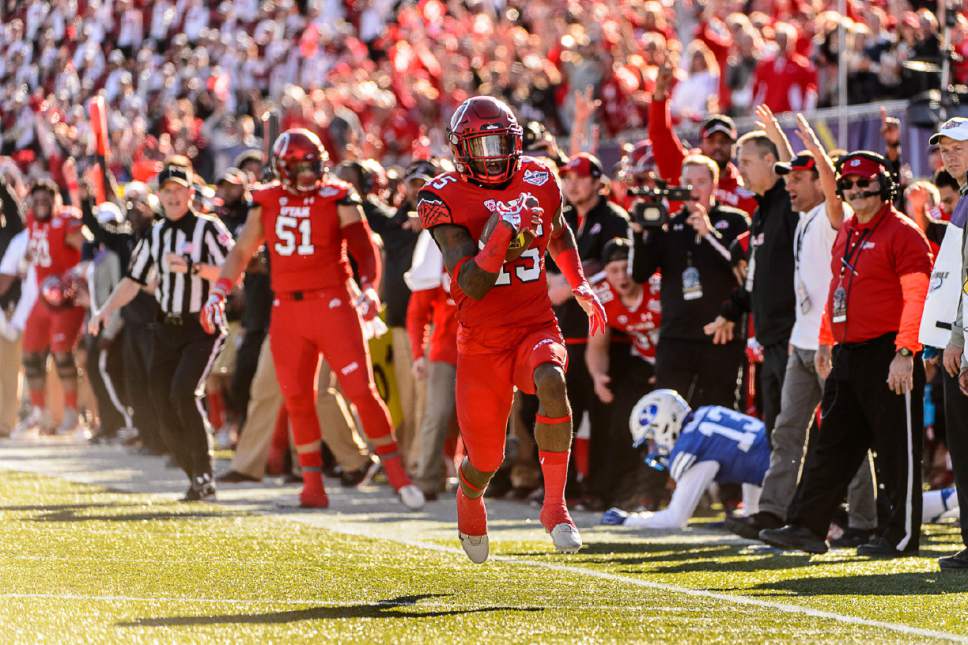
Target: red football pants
x=53 y=329
x=327 y=323
x=485 y=389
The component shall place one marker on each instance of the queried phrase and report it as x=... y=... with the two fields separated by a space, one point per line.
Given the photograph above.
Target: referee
x=872 y=396
x=184 y=250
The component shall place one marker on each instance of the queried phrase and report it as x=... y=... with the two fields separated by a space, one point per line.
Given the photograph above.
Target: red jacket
x=669 y=154
x=784 y=86
x=436 y=306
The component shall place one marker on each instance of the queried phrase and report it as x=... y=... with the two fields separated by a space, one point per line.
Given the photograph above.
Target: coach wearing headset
x=868 y=345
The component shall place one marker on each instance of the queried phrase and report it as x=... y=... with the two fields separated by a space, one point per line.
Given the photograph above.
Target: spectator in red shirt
x=716 y=140
x=880 y=264
x=786 y=81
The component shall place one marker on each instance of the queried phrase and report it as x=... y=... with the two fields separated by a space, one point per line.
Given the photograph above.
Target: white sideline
x=337 y=523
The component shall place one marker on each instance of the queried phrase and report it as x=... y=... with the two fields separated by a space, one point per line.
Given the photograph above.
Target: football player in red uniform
x=53 y=249
x=308 y=221
x=499 y=203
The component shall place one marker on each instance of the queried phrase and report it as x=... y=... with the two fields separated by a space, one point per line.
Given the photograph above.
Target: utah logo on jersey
x=515 y=206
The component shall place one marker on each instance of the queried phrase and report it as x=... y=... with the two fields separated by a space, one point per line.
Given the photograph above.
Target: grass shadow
x=887 y=584
x=378 y=609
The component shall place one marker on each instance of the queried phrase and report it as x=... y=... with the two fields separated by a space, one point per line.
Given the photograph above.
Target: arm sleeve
x=914 y=289
x=689 y=490
x=669 y=151
x=432 y=210
x=359 y=242
x=141 y=261
x=218 y=243
x=419 y=312
x=736 y=305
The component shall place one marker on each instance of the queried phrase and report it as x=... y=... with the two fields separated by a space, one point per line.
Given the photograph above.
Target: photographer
x=691 y=251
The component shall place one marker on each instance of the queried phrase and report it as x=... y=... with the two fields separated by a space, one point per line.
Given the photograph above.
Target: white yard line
x=76 y=465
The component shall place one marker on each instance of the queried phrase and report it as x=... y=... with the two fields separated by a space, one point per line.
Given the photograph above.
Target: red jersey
x=303 y=235
x=519 y=298
x=47 y=248
x=640 y=322
x=880 y=252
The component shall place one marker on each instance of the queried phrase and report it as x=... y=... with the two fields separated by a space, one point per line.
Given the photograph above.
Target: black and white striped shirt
x=204 y=239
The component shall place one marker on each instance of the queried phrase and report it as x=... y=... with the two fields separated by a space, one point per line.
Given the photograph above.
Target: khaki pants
x=439 y=420
x=412 y=395
x=10 y=362
x=337 y=425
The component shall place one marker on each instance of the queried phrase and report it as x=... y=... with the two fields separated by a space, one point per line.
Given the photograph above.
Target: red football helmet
x=639 y=164
x=296 y=151
x=486 y=140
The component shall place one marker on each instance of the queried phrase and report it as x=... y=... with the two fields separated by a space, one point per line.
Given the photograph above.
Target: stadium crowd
x=720 y=294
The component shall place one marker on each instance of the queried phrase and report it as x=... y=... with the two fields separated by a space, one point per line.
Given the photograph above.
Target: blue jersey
x=737 y=442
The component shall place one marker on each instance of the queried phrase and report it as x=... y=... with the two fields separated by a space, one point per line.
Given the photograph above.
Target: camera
x=651 y=210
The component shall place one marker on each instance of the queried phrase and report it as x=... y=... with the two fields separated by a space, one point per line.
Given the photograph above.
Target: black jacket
x=398 y=245
x=676 y=248
x=604 y=222
x=11 y=223
x=144 y=308
x=772 y=300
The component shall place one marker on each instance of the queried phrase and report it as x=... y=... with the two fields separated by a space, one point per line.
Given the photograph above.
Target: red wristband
x=492 y=256
x=570 y=265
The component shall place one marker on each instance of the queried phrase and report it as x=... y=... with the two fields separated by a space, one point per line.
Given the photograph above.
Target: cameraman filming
x=691 y=250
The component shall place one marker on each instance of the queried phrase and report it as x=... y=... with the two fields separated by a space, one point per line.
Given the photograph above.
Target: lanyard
x=857 y=247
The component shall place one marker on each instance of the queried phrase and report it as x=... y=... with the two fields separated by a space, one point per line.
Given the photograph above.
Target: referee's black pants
x=702 y=373
x=138 y=343
x=956 y=422
x=181 y=359
x=858 y=413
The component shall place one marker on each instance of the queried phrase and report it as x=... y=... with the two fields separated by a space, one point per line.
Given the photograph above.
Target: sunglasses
x=846 y=184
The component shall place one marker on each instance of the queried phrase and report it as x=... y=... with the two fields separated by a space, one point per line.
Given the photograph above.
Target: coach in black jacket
x=768 y=292
x=692 y=252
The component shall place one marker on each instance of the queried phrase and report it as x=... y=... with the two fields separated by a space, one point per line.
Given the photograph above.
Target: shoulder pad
x=432 y=209
x=442 y=182
x=535 y=172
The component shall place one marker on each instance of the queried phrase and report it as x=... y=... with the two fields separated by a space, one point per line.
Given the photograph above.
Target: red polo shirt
x=881 y=253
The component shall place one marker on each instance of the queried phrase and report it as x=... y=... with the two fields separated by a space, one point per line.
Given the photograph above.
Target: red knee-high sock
x=279 y=444
x=37 y=397
x=216 y=416
x=471 y=513
x=389 y=454
x=554 y=467
x=313 y=494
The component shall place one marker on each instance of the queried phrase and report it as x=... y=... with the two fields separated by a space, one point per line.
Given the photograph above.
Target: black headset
x=885 y=177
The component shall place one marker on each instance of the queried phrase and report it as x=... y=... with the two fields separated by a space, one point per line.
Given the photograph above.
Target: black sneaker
x=202 y=489
x=879 y=547
x=955 y=562
x=852 y=538
x=750 y=527
x=794 y=538
x=362 y=475
x=235 y=477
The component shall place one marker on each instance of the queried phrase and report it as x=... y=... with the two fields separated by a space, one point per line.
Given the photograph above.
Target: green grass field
x=82 y=563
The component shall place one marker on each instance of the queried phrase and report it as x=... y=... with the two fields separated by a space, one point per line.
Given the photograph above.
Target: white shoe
x=30 y=427
x=70 y=423
x=475 y=546
x=412 y=497
x=566 y=538
x=223 y=438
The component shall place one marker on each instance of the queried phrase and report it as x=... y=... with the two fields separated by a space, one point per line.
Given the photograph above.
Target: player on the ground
x=698 y=447
x=53 y=248
x=494 y=219
x=714 y=444
x=308 y=221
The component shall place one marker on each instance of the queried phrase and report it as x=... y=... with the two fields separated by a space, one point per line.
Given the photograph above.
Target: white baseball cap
x=955 y=128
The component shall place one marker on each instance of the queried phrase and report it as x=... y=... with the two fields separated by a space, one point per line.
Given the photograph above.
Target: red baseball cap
x=861 y=166
x=583 y=164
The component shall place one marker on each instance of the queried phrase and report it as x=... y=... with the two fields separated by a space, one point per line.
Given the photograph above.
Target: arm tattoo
x=456 y=244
